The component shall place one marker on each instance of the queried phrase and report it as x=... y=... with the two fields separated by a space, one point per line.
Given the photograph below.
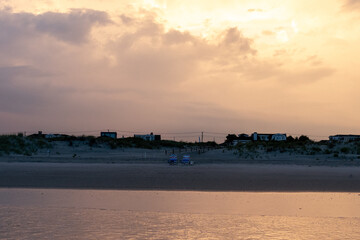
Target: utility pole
x=202 y=137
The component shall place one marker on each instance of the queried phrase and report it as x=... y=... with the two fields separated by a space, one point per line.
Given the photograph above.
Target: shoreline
x=160 y=176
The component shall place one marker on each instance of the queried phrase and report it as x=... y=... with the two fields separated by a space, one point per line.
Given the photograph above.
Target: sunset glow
x=168 y=66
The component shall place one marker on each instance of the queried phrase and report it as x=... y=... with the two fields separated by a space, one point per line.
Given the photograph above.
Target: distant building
x=52 y=136
x=268 y=137
x=278 y=137
x=242 y=138
x=245 y=138
x=109 y=134
x=344 y=138
x=37 y=135
x=40 y=134
x=149 y=137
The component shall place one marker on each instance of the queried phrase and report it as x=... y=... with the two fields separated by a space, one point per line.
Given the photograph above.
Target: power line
x=216 y=133
x=193 y=134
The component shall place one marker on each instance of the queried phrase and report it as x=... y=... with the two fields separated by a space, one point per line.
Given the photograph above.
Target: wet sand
x=205 y=177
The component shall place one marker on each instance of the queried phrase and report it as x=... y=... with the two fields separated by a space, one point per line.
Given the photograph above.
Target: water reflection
x=84 y=214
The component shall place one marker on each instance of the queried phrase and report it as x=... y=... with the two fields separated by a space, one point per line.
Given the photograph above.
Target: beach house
x=241 y=138
x=245 y=138
x=268 y=137
x=109 y=134
x=55 y=135
x=344 y=138
x=148 y=137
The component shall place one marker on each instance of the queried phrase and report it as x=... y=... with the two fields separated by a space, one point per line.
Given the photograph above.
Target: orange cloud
x=94 y=69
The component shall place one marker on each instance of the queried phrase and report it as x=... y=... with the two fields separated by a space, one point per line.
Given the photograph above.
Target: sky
x=171 y=66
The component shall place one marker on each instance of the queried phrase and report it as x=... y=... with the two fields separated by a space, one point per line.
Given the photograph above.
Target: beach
x=161 y=176
x=83 y=167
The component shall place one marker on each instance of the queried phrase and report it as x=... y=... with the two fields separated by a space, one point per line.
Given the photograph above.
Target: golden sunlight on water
x=98 y=214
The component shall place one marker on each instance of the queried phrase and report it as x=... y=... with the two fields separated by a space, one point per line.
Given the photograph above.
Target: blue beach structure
x=186 y=159
x=173 y=159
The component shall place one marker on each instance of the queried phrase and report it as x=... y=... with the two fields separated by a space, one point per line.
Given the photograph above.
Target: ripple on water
x=85 y=223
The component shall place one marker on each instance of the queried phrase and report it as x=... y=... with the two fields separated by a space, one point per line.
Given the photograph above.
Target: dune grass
x=13 y=144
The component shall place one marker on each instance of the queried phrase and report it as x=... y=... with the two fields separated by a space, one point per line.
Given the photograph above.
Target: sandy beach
x=83 y=167
x=206 y=177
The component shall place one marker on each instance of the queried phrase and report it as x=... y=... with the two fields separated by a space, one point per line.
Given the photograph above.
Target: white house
x=344 y=138
x=268 y=137
x=149 y=137
x=278 y=137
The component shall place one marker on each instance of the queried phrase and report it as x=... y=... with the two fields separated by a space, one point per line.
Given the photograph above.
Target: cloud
x=13 y=72
x=351 y=4
x=268 y=33
x=126 y=19
x=176 y=37
x=139 y=71
x=313 y=60
x=23 y=90
x=255 y=10
x=73 y=27
x=305 y=76
x=149 y=54
x=255 y=70
x=58 y=69
x=233 y=38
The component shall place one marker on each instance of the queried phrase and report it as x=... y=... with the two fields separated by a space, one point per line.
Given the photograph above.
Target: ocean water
x=102 y=214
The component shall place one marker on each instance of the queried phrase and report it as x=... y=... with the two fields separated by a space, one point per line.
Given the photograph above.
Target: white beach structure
x=149 y=137
x=344 y=138
x=268 y=137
